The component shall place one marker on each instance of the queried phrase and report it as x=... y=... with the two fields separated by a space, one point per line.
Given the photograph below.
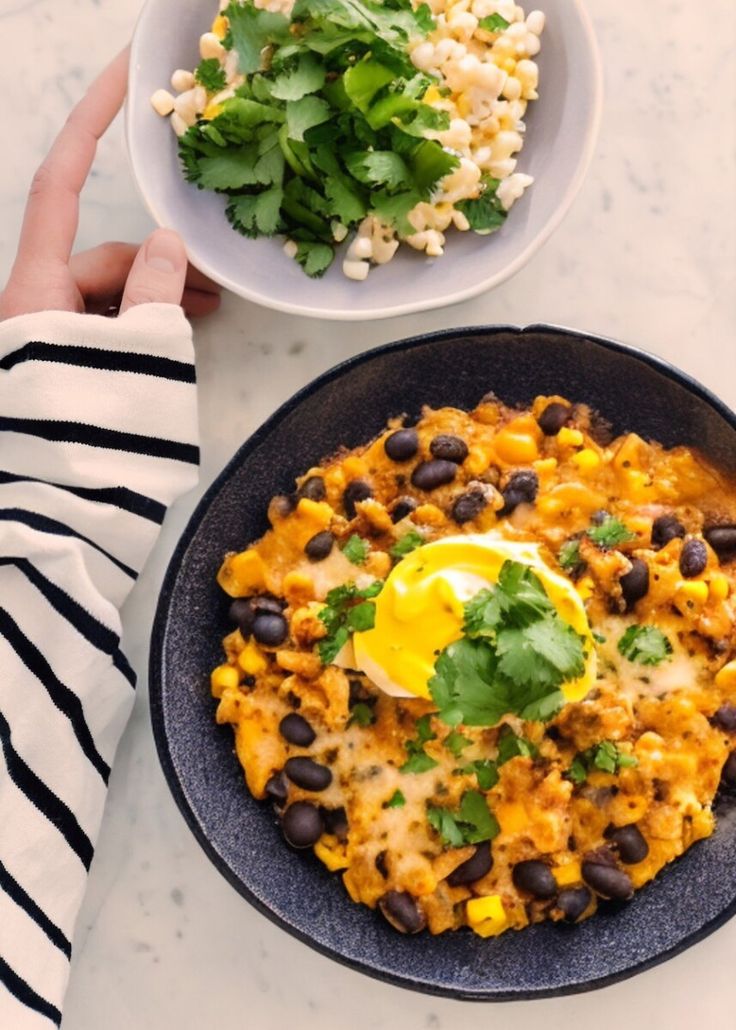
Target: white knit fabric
x=98 y=435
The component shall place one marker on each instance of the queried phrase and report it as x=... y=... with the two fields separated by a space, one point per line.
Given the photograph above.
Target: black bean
x=728 y=773
x=336 y=821
x=473 y=868
x=241 y=612
x=553 y=418
x=402 y=911
x=380 y=863
x=607 y=880
x=629 y=841
x=270 y=629
x=535 y=877
x=403 y=507
x=283 y=505
x=358 y=490
x=277 y=789
x=428 y=475
x=573 y=901
x=449 y=448
x=722 y=539
x=468 y=506
x=635 y=582
x=693 y=558
x=302 y=824
x=267 y=603
x=402 y=445
x=319 y=546
x=308 y=774
x=521 y=488
x=297 y=730
x=725 y=718
x=313 y=489
x=666 y=528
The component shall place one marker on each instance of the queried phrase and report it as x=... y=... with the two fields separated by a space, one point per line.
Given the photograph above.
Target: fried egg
x=420 y=610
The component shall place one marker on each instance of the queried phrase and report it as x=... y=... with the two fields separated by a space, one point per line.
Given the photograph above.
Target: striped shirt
x=98 y=435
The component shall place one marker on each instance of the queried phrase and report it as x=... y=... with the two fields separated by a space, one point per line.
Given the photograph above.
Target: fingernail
x=164 y=252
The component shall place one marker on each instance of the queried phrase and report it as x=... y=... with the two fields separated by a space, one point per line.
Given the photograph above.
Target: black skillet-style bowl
x=348 y=405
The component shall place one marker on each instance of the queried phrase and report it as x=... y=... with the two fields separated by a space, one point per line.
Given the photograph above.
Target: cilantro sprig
x=610 y=533
x=418 y=761
x=605 y=756
x=472 y=824
x=515 y=655
x=646 y=645
x=406 y=544
x=397 y=800
x=210 y=74
x=347 y=610
x=356 y=549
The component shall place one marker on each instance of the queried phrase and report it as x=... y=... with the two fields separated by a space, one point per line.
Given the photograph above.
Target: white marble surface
x=648 y=254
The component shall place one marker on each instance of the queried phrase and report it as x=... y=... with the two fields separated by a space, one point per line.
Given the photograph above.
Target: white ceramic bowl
x=561 y=134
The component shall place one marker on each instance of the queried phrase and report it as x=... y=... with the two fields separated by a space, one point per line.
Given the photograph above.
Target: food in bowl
x=485 y=665
x=388 y=121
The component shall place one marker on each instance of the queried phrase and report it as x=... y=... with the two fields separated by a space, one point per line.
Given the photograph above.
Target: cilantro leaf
x=456 y=743
x=485 y=770
x=419 y=761
x=397 y=800
x=425 y=19
x=645 y=644
x=429 y=163
x=257 y=213
x=250 y=29
x=493 y=23
x=486 y=213
x=306 y=76
x=610 y=533
x=378 y=168
x=362 y=714
x=315 y=258
x=364 y=80
x=512 y=746
x=305 y=113
x=356 y=549
x=394 y=208
x=330 y=647
x=211 y=75
x=341 y=616
x=343 y=202
x=605 y=756
x=473 y=824
x=362 y=617
x=406 y=544
x=569 y=557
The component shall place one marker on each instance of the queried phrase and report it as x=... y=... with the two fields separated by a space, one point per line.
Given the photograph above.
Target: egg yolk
x=420 y=610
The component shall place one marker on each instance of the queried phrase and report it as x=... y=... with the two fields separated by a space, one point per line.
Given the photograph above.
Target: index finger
x=52 y=211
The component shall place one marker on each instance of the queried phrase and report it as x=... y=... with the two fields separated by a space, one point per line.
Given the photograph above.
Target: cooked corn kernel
x=223 y=676
x=726 y=677
x=211 y=111
x=251 y=659
x=511 y=816
x=718 y=588
x=242 y=574
x=567 y=874
x=220 y=26
x=691 y=594
x=570 y=437
x=516 y=448
x=587 y=460
x=487 y=916
x=330 y=852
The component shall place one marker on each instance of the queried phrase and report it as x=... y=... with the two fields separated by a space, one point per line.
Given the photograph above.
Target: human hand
x=46 y=276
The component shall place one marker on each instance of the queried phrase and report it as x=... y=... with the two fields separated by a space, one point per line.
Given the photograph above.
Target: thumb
x=158 y=271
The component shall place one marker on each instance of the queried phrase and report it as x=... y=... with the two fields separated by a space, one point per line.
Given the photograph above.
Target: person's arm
x=98 y=435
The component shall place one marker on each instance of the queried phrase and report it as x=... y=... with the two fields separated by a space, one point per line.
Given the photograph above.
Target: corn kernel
x=211 y=111
x=223 y=676
x=242 y=574
x=433 y=94
x=639 y=486
x=587 y=460
x=463 y=105
x=354 y=466
x=570 y=437
x=719 y=587
x=330 y=852
x=509 y=65
x=477 y=461
x=487 y=916
x=429 y=515
x=691 y=594
x=726 y=677
x=567 y=874
x=298 y=588
x=545 y=466
x=516 y=448
x=511 y=816
x=585 y=587
x=220 y=26
x=251 y=659
x=311 y=517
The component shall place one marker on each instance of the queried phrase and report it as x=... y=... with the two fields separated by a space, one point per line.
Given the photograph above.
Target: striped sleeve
x=98 y=435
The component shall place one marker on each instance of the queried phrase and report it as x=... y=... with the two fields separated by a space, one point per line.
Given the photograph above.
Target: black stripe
x=13 y=889
x=119 y=496
x=64 y=698
x=95 y=436
x=26 y=995
x=96 y=357
x=93 y=631
x=43 y=524
x=47 y=803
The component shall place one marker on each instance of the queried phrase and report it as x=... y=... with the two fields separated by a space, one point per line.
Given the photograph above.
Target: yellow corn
x=719 y=587
x=545 y=466
x=298 y=588
x=242 y=574
x=251 y=659
x=691 y=594
x=567 y=874
x=509 y=65
x=433 y=94
x=311 y=517
x=516 y=448
x=477 y=461
x=570 y=437
x=211 y=111
x=587 y=460
x=726 y=677
x=511 y=816
x=331 y=853
x=223 y=676
x=354 y=466
x=463 y=105
x=220 y=26
x=585 y=587
x=639 y=485
x=487 y=916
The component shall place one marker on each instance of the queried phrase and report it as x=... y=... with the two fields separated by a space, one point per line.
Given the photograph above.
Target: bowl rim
x=160 y=627
x=347 y=314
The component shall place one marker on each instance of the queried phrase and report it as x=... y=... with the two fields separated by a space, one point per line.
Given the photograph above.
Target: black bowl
x=348 y=405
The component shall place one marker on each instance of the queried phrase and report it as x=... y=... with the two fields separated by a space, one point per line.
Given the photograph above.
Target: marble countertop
x=648 y=255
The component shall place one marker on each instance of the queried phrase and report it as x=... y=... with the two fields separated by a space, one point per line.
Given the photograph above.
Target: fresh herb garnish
x=347 y=610
x=362 y=714
x=356 y=550
x=569 y=557
x=473 y=824
x=610 y=533
x=510 y=745
x=419 y=761
x=605 y=756
x=406 y=544
x=645 y=644
x=397 y=800
x=493 y=23
x=211 y=75
x=514 y=657
x=486 y=213
x=456 y=743
x=485 y=770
